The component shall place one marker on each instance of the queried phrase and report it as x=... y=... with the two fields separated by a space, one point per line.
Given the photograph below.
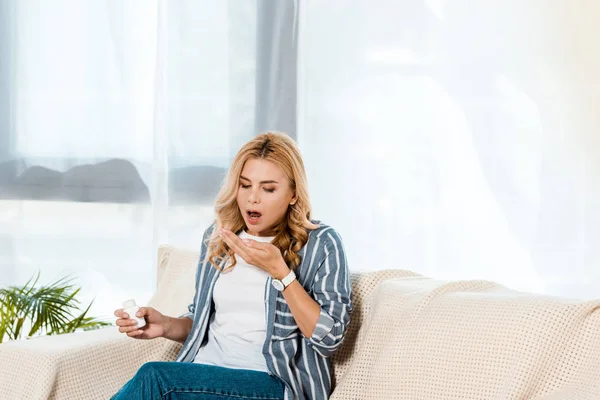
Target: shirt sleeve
x=332 y=289
x=201 y=264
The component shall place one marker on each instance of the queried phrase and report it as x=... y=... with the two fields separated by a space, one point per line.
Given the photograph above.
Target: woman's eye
x=269 y=190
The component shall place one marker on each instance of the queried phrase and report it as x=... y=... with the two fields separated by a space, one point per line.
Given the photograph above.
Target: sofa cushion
x=431 y=339
x=363 y=287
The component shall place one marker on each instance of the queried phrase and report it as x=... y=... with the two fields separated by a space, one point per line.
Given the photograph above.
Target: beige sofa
x=411 y=337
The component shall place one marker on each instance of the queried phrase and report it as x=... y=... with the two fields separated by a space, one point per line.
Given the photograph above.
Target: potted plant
x=43 y=310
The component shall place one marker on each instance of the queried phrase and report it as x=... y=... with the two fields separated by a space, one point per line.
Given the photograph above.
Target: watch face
x=277 y=284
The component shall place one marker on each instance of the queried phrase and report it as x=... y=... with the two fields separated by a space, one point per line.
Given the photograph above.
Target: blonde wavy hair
x=292 y=233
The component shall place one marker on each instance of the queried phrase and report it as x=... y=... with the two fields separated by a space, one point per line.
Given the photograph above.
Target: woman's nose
x=253 y=197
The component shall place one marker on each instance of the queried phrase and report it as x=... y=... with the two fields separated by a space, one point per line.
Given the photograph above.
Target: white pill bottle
x=131 y=308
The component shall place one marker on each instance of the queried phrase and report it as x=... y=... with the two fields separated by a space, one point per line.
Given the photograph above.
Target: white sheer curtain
x=457 y=138
x=121 y=120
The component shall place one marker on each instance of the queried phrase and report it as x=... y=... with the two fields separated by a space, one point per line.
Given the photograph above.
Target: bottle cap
x=129 y=303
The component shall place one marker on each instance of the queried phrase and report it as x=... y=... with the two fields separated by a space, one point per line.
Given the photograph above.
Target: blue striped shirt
x=302 y=363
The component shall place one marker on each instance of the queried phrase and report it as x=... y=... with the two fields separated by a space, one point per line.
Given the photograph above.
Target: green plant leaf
x=50 y=309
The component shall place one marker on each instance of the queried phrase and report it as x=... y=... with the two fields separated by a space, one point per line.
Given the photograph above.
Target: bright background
x=456 y=139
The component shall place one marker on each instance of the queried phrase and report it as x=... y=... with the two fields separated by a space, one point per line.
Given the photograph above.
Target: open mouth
x=253 y=215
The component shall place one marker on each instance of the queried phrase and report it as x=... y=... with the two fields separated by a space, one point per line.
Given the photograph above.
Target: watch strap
x=289 y=278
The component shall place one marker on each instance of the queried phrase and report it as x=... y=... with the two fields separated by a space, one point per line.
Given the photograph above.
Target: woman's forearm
x=304 y=309
x=177 y=329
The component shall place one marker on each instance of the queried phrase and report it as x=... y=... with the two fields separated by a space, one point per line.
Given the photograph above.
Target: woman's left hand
x=262 y=255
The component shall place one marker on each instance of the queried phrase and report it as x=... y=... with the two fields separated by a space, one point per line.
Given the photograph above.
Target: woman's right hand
x=155 y=323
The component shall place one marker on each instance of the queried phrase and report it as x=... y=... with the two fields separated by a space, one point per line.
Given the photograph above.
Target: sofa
x=410 y=337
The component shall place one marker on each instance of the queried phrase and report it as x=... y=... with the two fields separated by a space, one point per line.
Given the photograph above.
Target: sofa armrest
x=90 y=365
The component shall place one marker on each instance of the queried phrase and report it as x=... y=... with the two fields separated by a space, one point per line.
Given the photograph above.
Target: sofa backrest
x=421 y=338
x=363 y=287
x=428 y=339
x=175 y=283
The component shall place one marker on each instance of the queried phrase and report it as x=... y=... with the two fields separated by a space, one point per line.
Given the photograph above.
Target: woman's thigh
x=175 y=380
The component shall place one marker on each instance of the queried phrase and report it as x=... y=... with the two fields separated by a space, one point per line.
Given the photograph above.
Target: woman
x=272 y=300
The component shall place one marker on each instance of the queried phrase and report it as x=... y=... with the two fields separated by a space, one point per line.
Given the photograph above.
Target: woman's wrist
x=166 y=327
x=169 y=328
x=281 y=271
x=176 y=329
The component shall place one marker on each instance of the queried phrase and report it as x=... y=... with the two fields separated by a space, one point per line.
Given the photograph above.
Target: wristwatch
x=280 y=285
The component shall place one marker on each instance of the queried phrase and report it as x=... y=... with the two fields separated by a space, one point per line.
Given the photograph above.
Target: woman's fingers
x=127 y=325
x=135 y=333
x=121 y=314
x=143 y=311
x=227 y=238
x=235 y=243
x=126 y=322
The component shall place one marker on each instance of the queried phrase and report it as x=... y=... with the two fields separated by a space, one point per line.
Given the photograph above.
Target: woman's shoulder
x=325 y=242
x=324 y=233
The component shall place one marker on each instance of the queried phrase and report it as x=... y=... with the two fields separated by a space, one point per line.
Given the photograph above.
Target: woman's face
x=263 y=196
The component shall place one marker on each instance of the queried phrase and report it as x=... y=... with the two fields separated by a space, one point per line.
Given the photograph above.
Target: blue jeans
x=177 y=380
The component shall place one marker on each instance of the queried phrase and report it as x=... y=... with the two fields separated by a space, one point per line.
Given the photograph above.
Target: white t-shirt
x=238 y=328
